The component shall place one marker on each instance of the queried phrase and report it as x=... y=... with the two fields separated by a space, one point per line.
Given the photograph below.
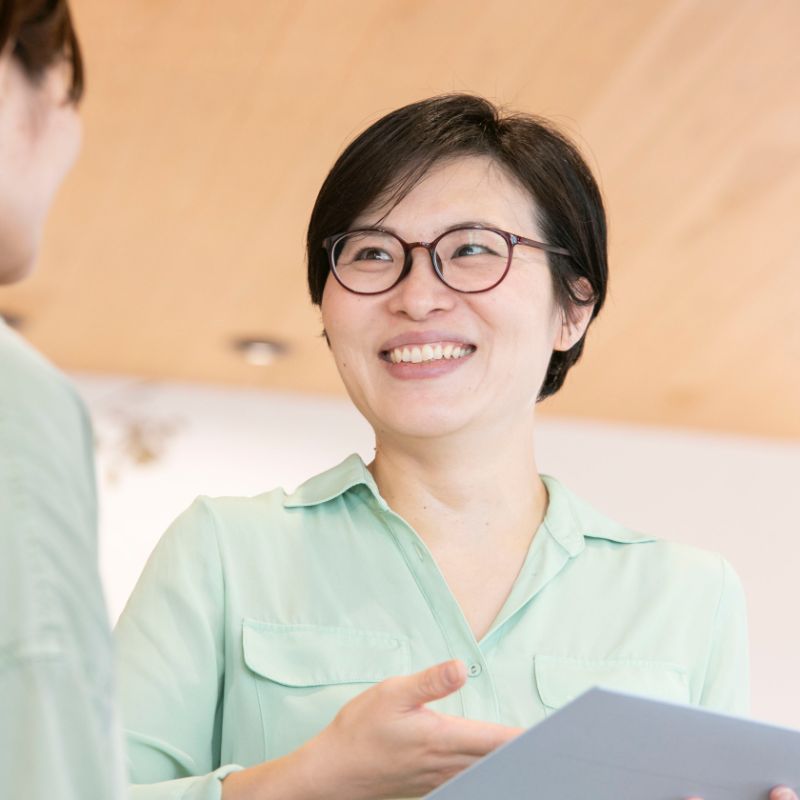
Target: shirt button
x=474 y=670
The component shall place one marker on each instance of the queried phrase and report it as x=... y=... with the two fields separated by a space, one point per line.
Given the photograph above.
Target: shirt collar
x=334 y=482
x=569 y=520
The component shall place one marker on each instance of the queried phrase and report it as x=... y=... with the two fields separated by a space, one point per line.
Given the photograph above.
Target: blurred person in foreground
x=58 y=737
x=313 y=644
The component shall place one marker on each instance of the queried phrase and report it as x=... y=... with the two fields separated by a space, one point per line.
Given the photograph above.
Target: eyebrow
x=460 y=224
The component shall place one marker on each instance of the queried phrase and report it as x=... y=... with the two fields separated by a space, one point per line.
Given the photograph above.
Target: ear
x=575 y=319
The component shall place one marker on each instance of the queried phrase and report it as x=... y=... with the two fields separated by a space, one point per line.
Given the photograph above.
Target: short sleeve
x=726 y=685
x=170 y=641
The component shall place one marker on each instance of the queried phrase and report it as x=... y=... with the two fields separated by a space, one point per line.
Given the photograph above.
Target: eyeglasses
x=469 y=259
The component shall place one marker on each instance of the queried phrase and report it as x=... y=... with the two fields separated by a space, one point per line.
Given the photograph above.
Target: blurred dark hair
x=388 y=159
x=41 y=34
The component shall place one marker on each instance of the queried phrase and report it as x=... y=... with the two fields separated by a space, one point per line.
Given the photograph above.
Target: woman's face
x=39 y=141
x=507 y=334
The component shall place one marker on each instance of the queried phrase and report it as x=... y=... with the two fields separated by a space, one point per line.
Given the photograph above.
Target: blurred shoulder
x=32 y=387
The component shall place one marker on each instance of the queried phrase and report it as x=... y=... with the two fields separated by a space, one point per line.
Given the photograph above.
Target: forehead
x=464 y=189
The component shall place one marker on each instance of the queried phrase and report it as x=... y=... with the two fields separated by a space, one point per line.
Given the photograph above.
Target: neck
x=481 y=486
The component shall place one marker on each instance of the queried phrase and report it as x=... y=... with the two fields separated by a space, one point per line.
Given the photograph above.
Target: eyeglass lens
x=468 y=259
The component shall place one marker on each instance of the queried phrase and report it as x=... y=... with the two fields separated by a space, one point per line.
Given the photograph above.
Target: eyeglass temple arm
x=540 y=245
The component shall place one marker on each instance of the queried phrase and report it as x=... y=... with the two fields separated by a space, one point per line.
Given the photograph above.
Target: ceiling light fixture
x=259 y=352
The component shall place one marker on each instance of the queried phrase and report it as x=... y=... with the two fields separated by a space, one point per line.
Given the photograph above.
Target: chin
x=19 y=247
x=424 y=423
x=13 y=270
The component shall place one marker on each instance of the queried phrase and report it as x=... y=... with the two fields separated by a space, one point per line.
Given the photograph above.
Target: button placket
x=478 y=698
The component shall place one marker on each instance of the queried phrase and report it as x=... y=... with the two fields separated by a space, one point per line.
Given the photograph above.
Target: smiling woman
x=478 y=293
x=385 y=625
x=391 y=158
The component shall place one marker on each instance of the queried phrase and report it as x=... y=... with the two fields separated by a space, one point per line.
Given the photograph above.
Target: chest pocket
x=560 y=679
x=305 y=673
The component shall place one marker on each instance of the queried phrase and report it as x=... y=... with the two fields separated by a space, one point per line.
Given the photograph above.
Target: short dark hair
x=42 y=34
x=391 y=156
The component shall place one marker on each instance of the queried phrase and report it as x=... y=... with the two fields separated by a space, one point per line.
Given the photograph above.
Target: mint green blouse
x=58 y=737
x=256 y=619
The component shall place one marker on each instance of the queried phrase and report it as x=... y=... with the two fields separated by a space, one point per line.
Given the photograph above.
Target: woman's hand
x=778 y=793
x=385 y=743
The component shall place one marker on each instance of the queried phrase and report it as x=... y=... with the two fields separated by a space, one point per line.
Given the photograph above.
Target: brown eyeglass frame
x=512 y=239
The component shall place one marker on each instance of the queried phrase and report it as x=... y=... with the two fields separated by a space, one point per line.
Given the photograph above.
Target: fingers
x=782 y=793
x=473 y=738
x=778 y=793
x=454 y=734
x=431 y=684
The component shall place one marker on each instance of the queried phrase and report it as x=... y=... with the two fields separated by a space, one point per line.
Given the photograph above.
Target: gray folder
x=612 y=746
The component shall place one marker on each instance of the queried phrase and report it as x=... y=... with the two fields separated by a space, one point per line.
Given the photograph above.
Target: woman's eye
x=372 y=254
x=471 y=250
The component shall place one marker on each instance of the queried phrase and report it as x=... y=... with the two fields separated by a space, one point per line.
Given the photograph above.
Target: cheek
x=74 y=135
x=340 y=321
x=52 y=139
x=63 y=141
x=328 y=312
x=526 y=311
x=531 y=330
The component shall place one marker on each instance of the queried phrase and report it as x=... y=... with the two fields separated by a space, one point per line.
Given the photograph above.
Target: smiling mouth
x=426 y=353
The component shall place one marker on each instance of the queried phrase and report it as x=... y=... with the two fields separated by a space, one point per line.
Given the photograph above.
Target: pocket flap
x=315 y=655
x=560 y=679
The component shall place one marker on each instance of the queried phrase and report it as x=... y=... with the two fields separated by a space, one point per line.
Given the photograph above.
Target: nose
x=421 y=293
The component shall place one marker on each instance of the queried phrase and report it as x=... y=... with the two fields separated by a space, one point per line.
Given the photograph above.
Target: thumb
x=430 y=684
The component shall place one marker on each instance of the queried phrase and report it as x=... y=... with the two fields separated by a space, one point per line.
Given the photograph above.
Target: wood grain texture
x=209 y=127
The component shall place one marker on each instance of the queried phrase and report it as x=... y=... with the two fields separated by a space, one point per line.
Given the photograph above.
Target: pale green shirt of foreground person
x=257 y=619
x=58 y=738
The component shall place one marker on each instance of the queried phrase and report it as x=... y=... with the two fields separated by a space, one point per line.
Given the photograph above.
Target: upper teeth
x=416 y=354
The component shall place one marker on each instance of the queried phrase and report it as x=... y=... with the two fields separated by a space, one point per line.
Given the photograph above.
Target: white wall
x=735 y=496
